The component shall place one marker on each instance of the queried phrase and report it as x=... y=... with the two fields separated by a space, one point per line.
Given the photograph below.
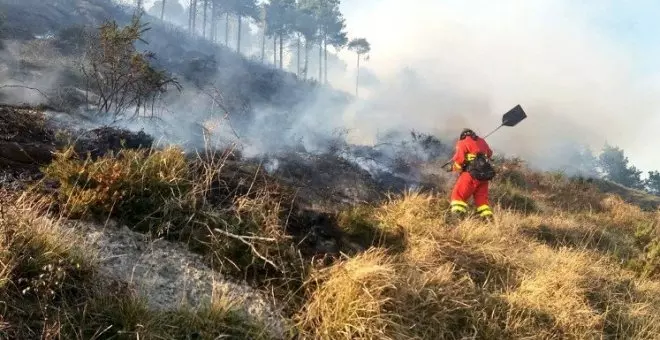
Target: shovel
x=511 y=118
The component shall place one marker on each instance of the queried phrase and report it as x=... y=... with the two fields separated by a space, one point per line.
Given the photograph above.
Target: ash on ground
x=357 y=174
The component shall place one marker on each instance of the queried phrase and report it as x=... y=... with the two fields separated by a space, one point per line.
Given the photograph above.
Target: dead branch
x=26 y=87
x=243 y=237
x=245 y=240
x=221 y=106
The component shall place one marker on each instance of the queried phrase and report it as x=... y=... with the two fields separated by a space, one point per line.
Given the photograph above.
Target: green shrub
x=648 y=261
x=163 y=193
x=510 y=197
x=142 y=188
x=512 y=177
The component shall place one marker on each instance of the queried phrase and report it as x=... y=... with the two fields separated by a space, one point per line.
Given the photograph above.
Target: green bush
x=513 y=177
x=648 y=239
x=508 y=196
x=142 y=188
x=163 y=193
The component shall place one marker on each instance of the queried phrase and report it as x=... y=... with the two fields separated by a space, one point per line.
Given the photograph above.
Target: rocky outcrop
x=170 y=277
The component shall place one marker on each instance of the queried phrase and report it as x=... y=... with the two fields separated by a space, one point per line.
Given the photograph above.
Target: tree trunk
x=162 y=11
x=281 y=49
x=263 y=44
x=325 y=60
x=298 y=58
x=307 y=48
x=357 y=78
x=214 y=26
x=238 y=37
x=227 y=29
x=274 y=51
x=320 y=60
x=190 y=9
x=206 y=4
x=194 y=17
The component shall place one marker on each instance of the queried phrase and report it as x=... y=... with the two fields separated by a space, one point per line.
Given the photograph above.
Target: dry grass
x=235 y=218
x=50 y=288
x=350 y=300
x=559 y=262
x=480 y=281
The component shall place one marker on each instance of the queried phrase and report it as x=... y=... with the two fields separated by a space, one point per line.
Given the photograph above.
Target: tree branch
x=26 y=87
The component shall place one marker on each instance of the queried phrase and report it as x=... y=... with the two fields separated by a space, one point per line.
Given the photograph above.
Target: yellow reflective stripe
x=459 y=208
x=460 y=203
x=486 y=213
x=483 y=207
x=470 y=156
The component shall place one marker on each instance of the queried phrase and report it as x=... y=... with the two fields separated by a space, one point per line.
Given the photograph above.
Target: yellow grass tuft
x=350 y=299
x=550 y=276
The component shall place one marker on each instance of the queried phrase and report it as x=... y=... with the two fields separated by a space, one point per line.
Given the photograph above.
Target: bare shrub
x=122 y=77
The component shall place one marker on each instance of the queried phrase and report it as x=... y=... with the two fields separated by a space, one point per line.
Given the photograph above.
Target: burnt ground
x=314 y=188
x=28 y=140
x=25 y=141
x=317 y=186
x=325 y=182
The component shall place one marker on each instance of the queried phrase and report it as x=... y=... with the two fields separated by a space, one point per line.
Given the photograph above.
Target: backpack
x=480 y=168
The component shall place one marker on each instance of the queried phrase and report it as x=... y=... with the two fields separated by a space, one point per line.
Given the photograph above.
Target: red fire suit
x=466 y=186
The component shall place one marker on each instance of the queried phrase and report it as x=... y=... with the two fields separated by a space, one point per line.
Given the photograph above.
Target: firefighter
x=472 y=161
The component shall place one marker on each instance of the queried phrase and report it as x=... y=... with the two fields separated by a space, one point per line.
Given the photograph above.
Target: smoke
x=437 y=67
x=579 y=81
x=30 y=72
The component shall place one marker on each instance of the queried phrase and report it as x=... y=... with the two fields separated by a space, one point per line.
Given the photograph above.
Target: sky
x=585 y=71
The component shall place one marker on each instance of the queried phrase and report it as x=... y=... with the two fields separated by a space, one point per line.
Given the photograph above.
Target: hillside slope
x=43 y=51
x=563 y=260
x=103 y=234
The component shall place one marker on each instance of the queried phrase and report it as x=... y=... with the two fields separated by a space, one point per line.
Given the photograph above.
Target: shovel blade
x=514 y=116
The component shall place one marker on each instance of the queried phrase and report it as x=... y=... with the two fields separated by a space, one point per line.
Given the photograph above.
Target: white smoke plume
x=578 y=82
x=442 y=66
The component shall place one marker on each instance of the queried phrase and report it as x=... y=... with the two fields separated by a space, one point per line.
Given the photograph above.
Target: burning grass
x=50 y=288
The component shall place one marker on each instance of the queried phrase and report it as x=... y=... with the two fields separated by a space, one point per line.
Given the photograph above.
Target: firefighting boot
x=485 y=213
x=455 y=217
x=487 y=218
